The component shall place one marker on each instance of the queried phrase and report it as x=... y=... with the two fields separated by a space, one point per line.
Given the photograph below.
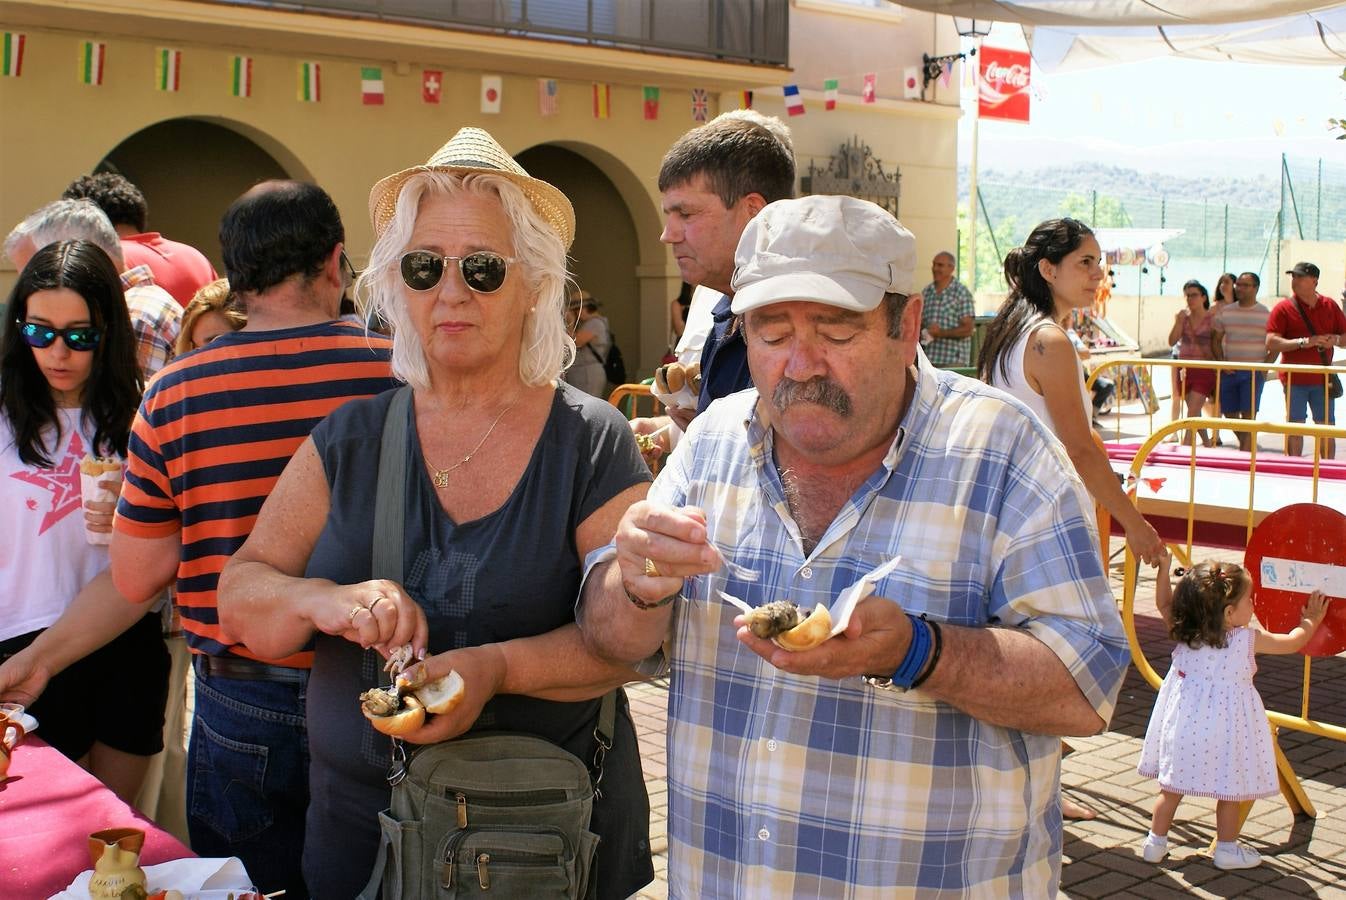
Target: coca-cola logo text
x=1015 y=76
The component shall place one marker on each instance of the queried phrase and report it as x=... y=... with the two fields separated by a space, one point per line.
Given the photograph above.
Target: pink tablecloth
x=48 y=808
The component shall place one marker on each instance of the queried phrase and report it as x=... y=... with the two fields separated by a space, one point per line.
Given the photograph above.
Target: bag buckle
x=397 y=768
x=603 y=745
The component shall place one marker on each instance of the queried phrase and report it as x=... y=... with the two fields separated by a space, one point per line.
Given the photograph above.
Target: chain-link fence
x=1216 y=237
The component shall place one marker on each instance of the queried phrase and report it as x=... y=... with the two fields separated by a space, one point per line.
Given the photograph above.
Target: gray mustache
x=818 y=391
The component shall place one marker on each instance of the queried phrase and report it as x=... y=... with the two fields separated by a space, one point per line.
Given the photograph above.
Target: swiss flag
x=432 y=82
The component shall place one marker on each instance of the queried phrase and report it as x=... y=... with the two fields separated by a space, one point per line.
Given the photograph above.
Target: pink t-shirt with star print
x=44 y=556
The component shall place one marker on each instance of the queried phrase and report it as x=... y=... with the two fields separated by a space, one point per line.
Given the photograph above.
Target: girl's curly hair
x=1199 y=602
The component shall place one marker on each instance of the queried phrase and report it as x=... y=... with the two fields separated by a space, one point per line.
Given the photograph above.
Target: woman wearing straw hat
x=511 y=478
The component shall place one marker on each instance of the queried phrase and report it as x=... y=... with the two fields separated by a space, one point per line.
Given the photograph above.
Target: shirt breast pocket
x=947 y=590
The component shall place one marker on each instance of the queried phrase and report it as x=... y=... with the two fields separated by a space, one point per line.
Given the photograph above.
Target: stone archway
x=616 y=244
x=190 y=170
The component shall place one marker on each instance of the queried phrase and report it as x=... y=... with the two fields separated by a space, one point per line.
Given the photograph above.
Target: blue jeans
x=1301 y=399
x=247 y=778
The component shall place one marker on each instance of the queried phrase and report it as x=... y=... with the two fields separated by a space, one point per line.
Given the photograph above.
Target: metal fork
x=742 y=573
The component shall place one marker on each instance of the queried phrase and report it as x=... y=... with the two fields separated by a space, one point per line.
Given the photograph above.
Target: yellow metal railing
x=1118 y=365
x=1290 y=786
x=635 y=400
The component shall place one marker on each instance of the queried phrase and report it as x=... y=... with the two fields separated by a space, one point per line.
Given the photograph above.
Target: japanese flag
x=490 y=94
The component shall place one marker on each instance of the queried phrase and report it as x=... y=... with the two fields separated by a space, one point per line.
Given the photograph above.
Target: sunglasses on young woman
x=82 y=338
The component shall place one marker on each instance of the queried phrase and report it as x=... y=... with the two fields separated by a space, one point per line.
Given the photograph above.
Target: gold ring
x=650 y=570
x=355 y=611
x=377 y=600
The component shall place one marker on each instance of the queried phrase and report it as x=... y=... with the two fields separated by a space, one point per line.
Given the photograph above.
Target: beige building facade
x=193 y=150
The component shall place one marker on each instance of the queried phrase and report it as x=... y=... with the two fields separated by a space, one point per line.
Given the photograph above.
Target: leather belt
x=243 y=669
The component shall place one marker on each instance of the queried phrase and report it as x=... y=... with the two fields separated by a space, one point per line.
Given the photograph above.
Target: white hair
x=547 y=348
x=70 y=220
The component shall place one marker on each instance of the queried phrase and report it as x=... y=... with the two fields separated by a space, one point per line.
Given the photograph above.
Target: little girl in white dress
x=1208 y=735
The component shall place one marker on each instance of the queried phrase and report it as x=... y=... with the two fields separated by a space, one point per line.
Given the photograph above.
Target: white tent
x=1076 y=34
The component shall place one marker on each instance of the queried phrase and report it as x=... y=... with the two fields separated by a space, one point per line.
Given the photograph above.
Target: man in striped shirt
x=212 y=435
x=1239 y=334
x=910 y=755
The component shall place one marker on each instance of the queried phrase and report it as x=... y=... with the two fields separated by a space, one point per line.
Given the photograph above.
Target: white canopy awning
x=1075 y=34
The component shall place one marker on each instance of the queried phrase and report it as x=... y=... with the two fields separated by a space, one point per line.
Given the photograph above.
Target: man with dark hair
x=1305 y=329
x=714 y=179
x=211 y=437
x=1239 y=334
x=916 y=752
x=178 y=268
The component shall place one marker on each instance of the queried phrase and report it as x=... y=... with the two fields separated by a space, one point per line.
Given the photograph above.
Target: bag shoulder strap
x=391 y=490
x=386 y=562
x=1303 y=314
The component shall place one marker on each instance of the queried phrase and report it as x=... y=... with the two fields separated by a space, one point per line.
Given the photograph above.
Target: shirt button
x=763 y=835
x=806 y=572
x=771 y=745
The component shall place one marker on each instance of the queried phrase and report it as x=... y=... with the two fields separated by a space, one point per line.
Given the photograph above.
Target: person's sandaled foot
x=1075 y=811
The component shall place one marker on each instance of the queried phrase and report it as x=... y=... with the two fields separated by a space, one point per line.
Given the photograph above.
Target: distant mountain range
x=1258 y=192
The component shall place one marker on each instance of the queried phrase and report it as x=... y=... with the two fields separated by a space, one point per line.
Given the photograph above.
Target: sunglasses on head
x=81 y=337
x=483 y=271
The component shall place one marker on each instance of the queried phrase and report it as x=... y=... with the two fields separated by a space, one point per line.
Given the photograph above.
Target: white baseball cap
x=830 y=249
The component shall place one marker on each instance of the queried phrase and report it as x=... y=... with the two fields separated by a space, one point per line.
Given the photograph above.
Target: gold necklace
x=440 y=477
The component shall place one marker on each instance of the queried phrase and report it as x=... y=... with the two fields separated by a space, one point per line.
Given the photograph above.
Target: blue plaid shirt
x=790 y=786
x=946 y=309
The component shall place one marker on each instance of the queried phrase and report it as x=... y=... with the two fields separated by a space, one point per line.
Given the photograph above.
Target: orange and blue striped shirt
x=213 y=434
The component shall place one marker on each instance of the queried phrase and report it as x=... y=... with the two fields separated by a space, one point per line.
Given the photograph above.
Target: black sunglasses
x=483 y=271
x=82 y=338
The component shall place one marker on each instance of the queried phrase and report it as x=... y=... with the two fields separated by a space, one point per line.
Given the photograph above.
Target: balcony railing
x=745 y=31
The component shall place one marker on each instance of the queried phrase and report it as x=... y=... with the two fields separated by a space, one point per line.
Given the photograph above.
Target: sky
x=1183 y=117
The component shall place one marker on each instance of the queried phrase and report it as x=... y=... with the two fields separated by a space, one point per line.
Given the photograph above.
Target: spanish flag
x=602 y=100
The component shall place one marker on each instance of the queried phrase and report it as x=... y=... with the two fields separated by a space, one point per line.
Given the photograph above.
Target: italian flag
x=12 y=55
x=830 y=93
x=91 y=62
x=310 y=82
x=371 y=85
x=240 y=76
x=167 y=68
x=651 y=105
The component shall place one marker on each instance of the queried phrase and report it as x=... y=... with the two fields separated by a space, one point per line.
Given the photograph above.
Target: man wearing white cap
x=917 y=751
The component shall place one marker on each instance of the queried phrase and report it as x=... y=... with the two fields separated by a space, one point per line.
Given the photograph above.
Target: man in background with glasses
x=211 y=437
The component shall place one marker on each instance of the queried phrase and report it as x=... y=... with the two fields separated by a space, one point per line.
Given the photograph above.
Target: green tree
x=990 y=251
x=1096 y=211
x=1339 y=124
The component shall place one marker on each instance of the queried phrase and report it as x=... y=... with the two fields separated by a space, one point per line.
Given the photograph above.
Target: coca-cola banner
x=1002 y=91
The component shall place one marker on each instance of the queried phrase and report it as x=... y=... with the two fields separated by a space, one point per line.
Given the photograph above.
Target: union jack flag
x=700 y=105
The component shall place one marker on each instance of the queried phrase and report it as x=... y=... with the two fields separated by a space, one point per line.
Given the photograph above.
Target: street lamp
x=970 y=27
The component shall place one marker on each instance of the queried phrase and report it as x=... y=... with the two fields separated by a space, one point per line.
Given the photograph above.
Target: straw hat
x=474 y=150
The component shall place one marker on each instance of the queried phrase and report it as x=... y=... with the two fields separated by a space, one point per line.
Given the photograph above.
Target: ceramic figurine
x=116 y=856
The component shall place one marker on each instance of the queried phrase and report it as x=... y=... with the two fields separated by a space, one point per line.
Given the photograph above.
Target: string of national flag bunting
x=309 y=83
